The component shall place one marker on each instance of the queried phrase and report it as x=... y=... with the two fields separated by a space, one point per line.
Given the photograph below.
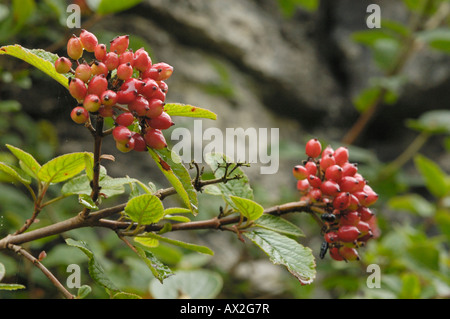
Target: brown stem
x=19 y=250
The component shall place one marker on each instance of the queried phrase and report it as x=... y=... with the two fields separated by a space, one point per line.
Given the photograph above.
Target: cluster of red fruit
x=121 y=84
x=328 y=179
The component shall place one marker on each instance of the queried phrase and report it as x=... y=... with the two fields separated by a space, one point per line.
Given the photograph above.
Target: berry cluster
x=329 y=180
x=121 y=84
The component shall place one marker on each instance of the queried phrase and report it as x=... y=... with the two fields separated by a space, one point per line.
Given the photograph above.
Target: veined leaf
x=15 y=173
x=96 y=270
x=434 y=177
x=170 y=165
x=27 y=161
x=62 y=168
x=198 y=248
x=145 y=209
x=278 y=224
x=282 y=250
x=236 y=187
x=177 y=109
x=38 y=58
x=250 y=209
x=158 y=269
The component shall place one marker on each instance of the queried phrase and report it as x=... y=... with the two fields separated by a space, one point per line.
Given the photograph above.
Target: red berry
x=128 y=91
x=314 y=181
x=92 y=103
x=348 y=253
x=334 y=253
x=327 y=161
x=159 y=72
x=127 y=57
x=341 y=155
x=372 y=197
x=139 y=143
x=163 y=86
x=121 y=134
x=313 y=148
x=354 y=202
x=156 y=108
x=300 y=172
x=334 y=173
x=349 y=169
x=155 y=139
x=119 y=44
x=139 y=106
x=341 y=201
x=311 y=168
x=100 y=52
x=141 y=60
x=365 y=213
x=63 y=65
x=74 y=48
x=125 y=147
x=106 y=111
x=331 y=237
x=88 y=40
x=98 y=85
x=315 y=194
x=349 y=184
x=124 y=71
x=150 y=88
x=79 y=115
x=327 y=151
x=111 y=61
x=350 y=218
x=303 y=185
x=109 y=98
x=363 y=227
x=77 y=89
x=347 y=233
x=330 y=188
x=83 y=72
x=161 y=122
x=125 y=119
x=98 y=68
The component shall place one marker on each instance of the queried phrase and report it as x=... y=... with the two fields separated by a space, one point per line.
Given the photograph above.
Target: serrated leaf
x=282 y=250
x=435 y=179
x=250 y=209
x=11 y=286
x=158 y=269
x=177 y=109
x=15 y=173
x=192 y=284
x=278 y=224
x=96 y=270
x=236 y=187
x=62 y=168
x=145 y=209
x=27 y=162
x=170 y=165
x=198 y=248
x=40 y=59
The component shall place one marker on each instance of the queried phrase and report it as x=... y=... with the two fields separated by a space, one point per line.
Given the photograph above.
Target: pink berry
x=122 y=134
x=111 y=61
x=341 y=155
x=159 y=72
x=341 y=201
x=88 y=40
x=124 y=71
x=139 y=106
x=109 y=98
x=141 y=60
x=79 y=115
x=125 y=147
x=155 y=108
x=63 y=65
x=330 y=188
x=77 y=89
x=334 y=173
x=100 y=52
x=300 y=172
x=139 y=143
x=83 y=72
x=347 y=233
x=365 y=213
x=119 y=44
x=127 y=57
x=125 y=119
x=313 y=148
x=311 y=167
x=327 y=161
x=92 y=103
x=155 y=139
x=74 y=48
x=98 y=68
x=161 y=122
x=303 y=185
x=98 y=85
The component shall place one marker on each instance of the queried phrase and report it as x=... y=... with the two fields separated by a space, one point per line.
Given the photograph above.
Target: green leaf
x=278 y=224
x=11 y=286
x=236 y=187
x=158 y=269
x=147 y=241
x=62 y=168
x=83 y=291
x=7 y=106
x=366 y=98
x=22 y=11
x=413 y=203
x=411 y=287
x=176 y=210
x=198 y=248
x=385 y=52
x=282 y=250
x=177 y=109
x=438 y=39
x=433 y=122
x=170 y=165
x=15 y=173
x=87 y=201
x=434 y=177
x=250 y=209
x=27 y=161
x=145 y=209
x=125 y=295
x=192 y=284
x=114 y=6
x=40 y=59
x=96 y=270
x=176 y=218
